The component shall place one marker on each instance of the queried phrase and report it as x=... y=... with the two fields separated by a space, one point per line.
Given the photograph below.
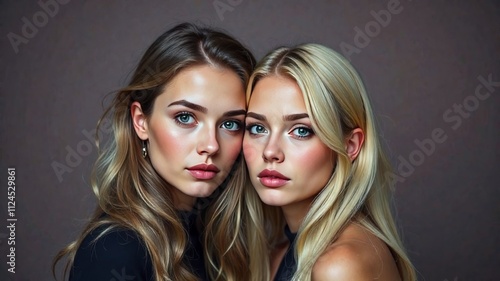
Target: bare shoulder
x=356 y=255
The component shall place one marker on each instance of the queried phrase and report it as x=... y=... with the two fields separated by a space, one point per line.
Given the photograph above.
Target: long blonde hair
x=133 y=195
x=358 y=191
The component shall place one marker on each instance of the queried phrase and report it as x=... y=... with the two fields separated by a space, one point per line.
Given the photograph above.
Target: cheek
x=250 y=152
x=166 y=147
x=317 y=159
x=168 y=142
x=231 y=146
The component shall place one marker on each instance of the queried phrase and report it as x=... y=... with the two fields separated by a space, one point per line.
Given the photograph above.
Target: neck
x=295 y=213
x=183 y=202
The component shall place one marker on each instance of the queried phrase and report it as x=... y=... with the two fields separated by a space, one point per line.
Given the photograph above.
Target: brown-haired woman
x=178 y=128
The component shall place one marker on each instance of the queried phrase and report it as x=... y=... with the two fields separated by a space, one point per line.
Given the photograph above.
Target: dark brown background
x=423 y=62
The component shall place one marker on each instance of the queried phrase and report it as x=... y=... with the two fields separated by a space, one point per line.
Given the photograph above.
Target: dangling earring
x=144 y=150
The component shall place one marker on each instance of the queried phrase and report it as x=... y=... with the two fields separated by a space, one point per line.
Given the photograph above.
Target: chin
x=274 y=203
x=201 y=192
x=271 y=198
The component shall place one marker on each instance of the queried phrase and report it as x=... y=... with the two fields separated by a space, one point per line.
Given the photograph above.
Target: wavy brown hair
x=131 y=194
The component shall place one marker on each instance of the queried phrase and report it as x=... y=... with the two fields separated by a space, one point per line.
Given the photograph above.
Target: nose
x=272 y=151
x=208 y=143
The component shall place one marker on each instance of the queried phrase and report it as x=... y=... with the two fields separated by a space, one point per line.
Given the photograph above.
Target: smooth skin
x=280 y=138
x=197 y=120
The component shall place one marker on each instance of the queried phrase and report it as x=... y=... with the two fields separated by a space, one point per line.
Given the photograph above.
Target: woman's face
x=195 y=131
x=288 y=163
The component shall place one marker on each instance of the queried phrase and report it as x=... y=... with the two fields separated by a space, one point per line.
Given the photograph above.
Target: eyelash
x=184 y=113
x=309 y=131
x=235 y=122
x=193 y=122
x=249 y=128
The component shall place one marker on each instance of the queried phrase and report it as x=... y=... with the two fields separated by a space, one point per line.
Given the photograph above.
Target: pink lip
x=203 y=171
x=271 y=178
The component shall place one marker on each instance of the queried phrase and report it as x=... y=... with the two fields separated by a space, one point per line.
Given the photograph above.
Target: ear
x=139 y=120
x=354 y=143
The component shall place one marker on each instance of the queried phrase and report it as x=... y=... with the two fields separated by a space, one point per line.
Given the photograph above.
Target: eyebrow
x=234 y=113
x=257 y=116
x=205 y=110
x=190 y=105
x=291 y=117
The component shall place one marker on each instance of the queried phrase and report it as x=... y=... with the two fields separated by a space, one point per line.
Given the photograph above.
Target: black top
x=288 y=265
x=121 y=255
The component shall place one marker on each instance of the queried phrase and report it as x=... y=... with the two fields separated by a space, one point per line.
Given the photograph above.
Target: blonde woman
x=315 y=162
x=170 y=183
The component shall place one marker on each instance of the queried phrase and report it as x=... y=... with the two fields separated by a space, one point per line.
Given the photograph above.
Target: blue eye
x=302 y=132
x=231 y=125
x=256 y=129
x=185 y=118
